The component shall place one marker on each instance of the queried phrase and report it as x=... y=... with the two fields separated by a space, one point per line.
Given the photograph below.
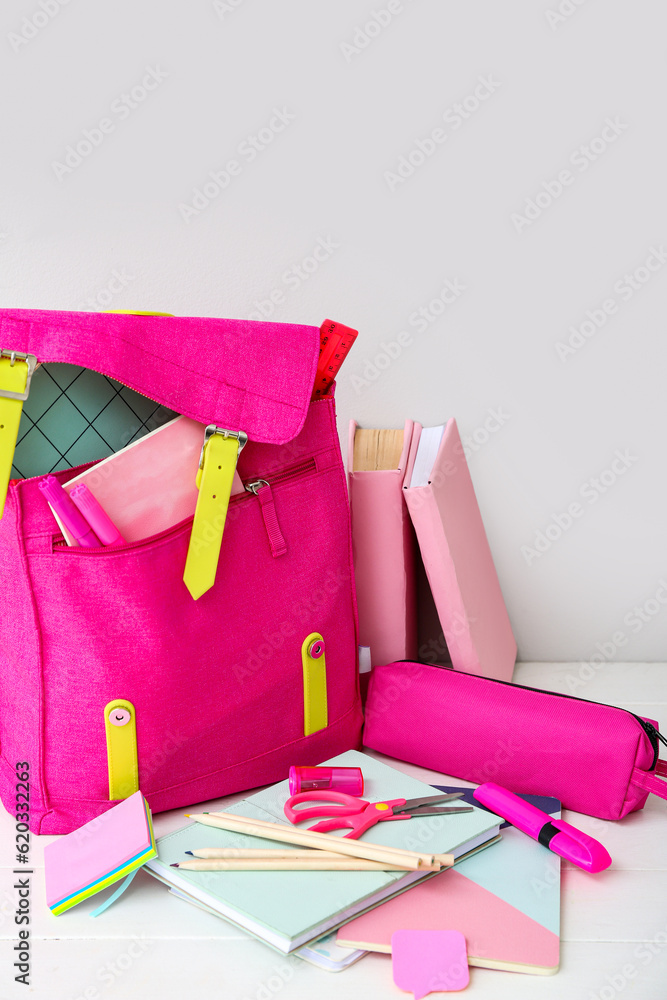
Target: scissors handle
x=338 y=804
x=359 y=822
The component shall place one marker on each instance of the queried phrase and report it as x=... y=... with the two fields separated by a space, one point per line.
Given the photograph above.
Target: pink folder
x=458 y=562
x=150 y=485
x=384 y=558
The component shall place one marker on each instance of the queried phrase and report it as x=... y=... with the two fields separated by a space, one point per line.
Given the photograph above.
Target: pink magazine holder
x=217 y=683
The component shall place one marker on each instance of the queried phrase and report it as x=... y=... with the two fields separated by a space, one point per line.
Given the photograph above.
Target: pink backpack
x=218 y=685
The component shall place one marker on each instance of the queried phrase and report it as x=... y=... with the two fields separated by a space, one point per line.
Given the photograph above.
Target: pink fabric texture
x=216 y=683
x=235 y=373
x=590 y=756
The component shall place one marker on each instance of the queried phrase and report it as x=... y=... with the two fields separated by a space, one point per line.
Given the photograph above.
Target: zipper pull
x=651 y=727
x=262 y=490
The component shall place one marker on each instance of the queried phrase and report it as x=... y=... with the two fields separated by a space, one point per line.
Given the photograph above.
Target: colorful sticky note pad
x=425 y=962
x=102 y=852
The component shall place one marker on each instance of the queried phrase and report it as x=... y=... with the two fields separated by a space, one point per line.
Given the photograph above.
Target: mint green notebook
x=288 y=909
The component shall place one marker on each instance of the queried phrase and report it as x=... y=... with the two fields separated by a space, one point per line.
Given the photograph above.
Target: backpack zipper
x=653 y=734
x=293 y=472
x=261 y=488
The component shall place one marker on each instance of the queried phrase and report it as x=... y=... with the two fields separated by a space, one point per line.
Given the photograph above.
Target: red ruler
x=335 y=343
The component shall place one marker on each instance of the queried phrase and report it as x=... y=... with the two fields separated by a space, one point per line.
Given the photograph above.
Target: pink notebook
x=457 y=557
x=505 y=901
x=150 y=485
x=384 y=563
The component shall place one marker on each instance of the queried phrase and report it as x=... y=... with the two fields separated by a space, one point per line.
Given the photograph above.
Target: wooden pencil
x=324 y=841
x=259 y=854
x=338 y=863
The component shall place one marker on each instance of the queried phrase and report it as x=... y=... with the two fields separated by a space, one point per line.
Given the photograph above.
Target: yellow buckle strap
x=215 y=476
x=315 y=713
x=121 y=730
x=15 y=373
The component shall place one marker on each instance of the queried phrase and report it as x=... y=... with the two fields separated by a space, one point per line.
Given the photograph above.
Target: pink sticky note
x=428 y=961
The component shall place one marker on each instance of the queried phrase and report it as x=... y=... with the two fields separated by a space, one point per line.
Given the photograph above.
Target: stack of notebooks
x=413 y=502
x=289 y=909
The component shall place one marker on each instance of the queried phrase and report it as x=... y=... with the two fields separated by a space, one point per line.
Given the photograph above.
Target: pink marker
x=559 y=836
x=97 y=517
x=68 y=513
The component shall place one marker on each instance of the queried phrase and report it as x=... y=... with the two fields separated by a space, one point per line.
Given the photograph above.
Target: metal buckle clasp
x=31 y=362
x=240 y=436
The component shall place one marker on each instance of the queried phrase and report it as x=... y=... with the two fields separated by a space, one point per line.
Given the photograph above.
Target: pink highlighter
x=556 y=834
x=68 y=513
x=97 y=517
x=340 y=779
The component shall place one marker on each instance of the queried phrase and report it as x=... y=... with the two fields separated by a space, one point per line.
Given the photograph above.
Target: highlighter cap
x=97 y=517
x=335 y=779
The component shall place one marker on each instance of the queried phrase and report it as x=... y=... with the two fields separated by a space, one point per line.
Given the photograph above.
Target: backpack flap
x=256 y=377
x=244 y=380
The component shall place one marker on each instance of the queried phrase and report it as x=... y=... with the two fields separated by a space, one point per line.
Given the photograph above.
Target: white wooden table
x=150 y=944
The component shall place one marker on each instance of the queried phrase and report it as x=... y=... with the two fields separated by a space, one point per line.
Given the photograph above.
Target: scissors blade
x=434 y=811
x=428 y=800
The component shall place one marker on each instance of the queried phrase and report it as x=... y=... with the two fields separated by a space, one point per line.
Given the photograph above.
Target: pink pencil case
x=597 y=759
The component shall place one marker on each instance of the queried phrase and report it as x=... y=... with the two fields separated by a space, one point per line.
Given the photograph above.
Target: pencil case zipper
x=260 y=488
x=655 y=737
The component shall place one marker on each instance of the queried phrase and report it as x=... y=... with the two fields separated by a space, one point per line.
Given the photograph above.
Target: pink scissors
x=359 y=815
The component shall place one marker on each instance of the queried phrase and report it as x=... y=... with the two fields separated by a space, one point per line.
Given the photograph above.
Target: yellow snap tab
x=381 y=805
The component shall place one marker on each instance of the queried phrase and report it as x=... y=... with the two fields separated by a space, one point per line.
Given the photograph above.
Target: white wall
x=324 y=177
